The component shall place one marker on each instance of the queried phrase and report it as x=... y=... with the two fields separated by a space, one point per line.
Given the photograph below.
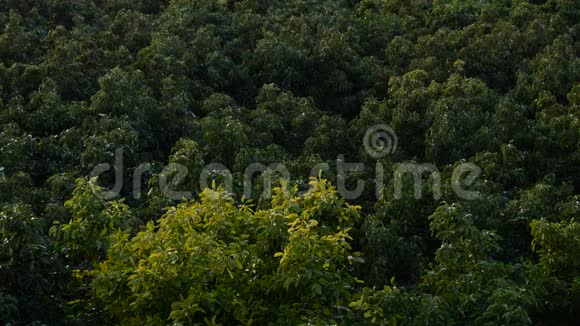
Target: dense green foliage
x=490 y=82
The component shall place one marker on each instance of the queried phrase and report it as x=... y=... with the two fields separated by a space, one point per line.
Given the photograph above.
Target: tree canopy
x=229 y=84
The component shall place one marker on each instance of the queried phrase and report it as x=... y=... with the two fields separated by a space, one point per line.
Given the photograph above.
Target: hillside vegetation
x=493 y=84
